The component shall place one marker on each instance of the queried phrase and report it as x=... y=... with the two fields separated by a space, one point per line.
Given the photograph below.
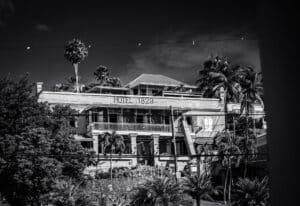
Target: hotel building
x=140 y=112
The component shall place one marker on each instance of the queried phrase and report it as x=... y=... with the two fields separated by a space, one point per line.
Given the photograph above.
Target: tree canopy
x=36 y=144
x=75 y=51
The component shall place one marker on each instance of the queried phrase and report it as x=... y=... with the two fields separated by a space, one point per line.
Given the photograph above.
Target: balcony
x=129 y=127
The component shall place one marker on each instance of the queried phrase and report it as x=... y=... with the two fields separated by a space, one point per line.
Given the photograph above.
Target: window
x=139 y=118
x=142 y=116
x=114 y=115
x=127 y=142
x=189 y=120
x=113 y=118
x=167 y=117
x=143 y=92
x=181 y=147
x=128 y=115
x=166 y=146
x=208 y=124
x=135 y=92
x=95 y=116
x=156 y=92
x=156 y=117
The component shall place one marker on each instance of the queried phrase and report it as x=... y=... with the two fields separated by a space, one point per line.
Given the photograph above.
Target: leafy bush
x=158 y=191
x=69 y=192
x=36 y=144
x=198 y=187
x=249 y=192
x=117 y=172
x=102 y=175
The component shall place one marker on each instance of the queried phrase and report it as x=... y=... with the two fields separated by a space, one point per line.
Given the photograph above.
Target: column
x=90 y=116
x=96 y=144
x=156 y=148
x=133 y=148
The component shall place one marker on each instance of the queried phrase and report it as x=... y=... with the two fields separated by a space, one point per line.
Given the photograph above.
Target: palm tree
x=198 y=187
x=205 y=149
x=162 y=191
x=114 y=82
x=75 y=52
x=102 y=78
x=101 y=74
x=113 y=143
x=251 y=192
x=228 y=146
x=216 y=74
x=252 y=91
x=248 y=141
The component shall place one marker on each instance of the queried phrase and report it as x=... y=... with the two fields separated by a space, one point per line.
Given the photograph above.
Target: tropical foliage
x=251 y=192
x=101 y=74
x=102 y=78
x=75 y=52
x=252 y=89
x=158 y=191
x=68 y=85
x=68 y=192
x=113 y=143
x=216 y=73
x=199 y=187
x=229 y=151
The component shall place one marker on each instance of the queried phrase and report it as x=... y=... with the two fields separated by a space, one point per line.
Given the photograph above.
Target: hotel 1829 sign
x=135 y=100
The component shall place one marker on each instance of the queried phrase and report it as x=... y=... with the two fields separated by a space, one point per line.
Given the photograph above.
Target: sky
x=129 y=38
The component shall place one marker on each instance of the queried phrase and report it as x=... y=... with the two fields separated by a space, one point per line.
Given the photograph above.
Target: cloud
x=182 y=54
x=42 y=28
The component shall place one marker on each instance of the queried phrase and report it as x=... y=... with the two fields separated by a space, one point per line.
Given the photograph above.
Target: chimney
x=39 y=87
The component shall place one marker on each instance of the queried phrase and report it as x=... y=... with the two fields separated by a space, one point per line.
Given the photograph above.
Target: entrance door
x=145 y=151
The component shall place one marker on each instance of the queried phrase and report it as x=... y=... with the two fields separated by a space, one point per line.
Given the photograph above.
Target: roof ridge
x=165 y=79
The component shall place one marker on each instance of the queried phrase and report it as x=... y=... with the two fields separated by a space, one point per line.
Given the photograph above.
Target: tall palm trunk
x=247 y=136
x=225 y=109
x=225 y=185
x=75 y=65
x=229 y=186
x=198 y=199
x=110 y=166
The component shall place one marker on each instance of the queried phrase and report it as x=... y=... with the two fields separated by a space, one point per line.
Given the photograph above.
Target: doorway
x=145 y=151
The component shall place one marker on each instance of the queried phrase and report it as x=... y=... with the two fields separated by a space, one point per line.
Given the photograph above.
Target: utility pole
x=174 y=142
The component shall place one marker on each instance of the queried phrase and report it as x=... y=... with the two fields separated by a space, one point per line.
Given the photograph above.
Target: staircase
x=188 y=138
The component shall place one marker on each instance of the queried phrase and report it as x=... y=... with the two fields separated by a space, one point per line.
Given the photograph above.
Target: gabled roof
x=156 y=79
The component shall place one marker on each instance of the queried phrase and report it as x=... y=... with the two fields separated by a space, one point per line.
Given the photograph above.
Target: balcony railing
x=129 y=127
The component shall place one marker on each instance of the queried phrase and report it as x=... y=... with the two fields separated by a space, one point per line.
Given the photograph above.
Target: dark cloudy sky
x=129 y=38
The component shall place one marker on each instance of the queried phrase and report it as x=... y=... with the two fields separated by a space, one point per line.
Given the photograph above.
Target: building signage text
x=130 y=100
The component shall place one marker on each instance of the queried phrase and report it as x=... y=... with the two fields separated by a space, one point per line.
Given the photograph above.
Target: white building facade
x=140 y=112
